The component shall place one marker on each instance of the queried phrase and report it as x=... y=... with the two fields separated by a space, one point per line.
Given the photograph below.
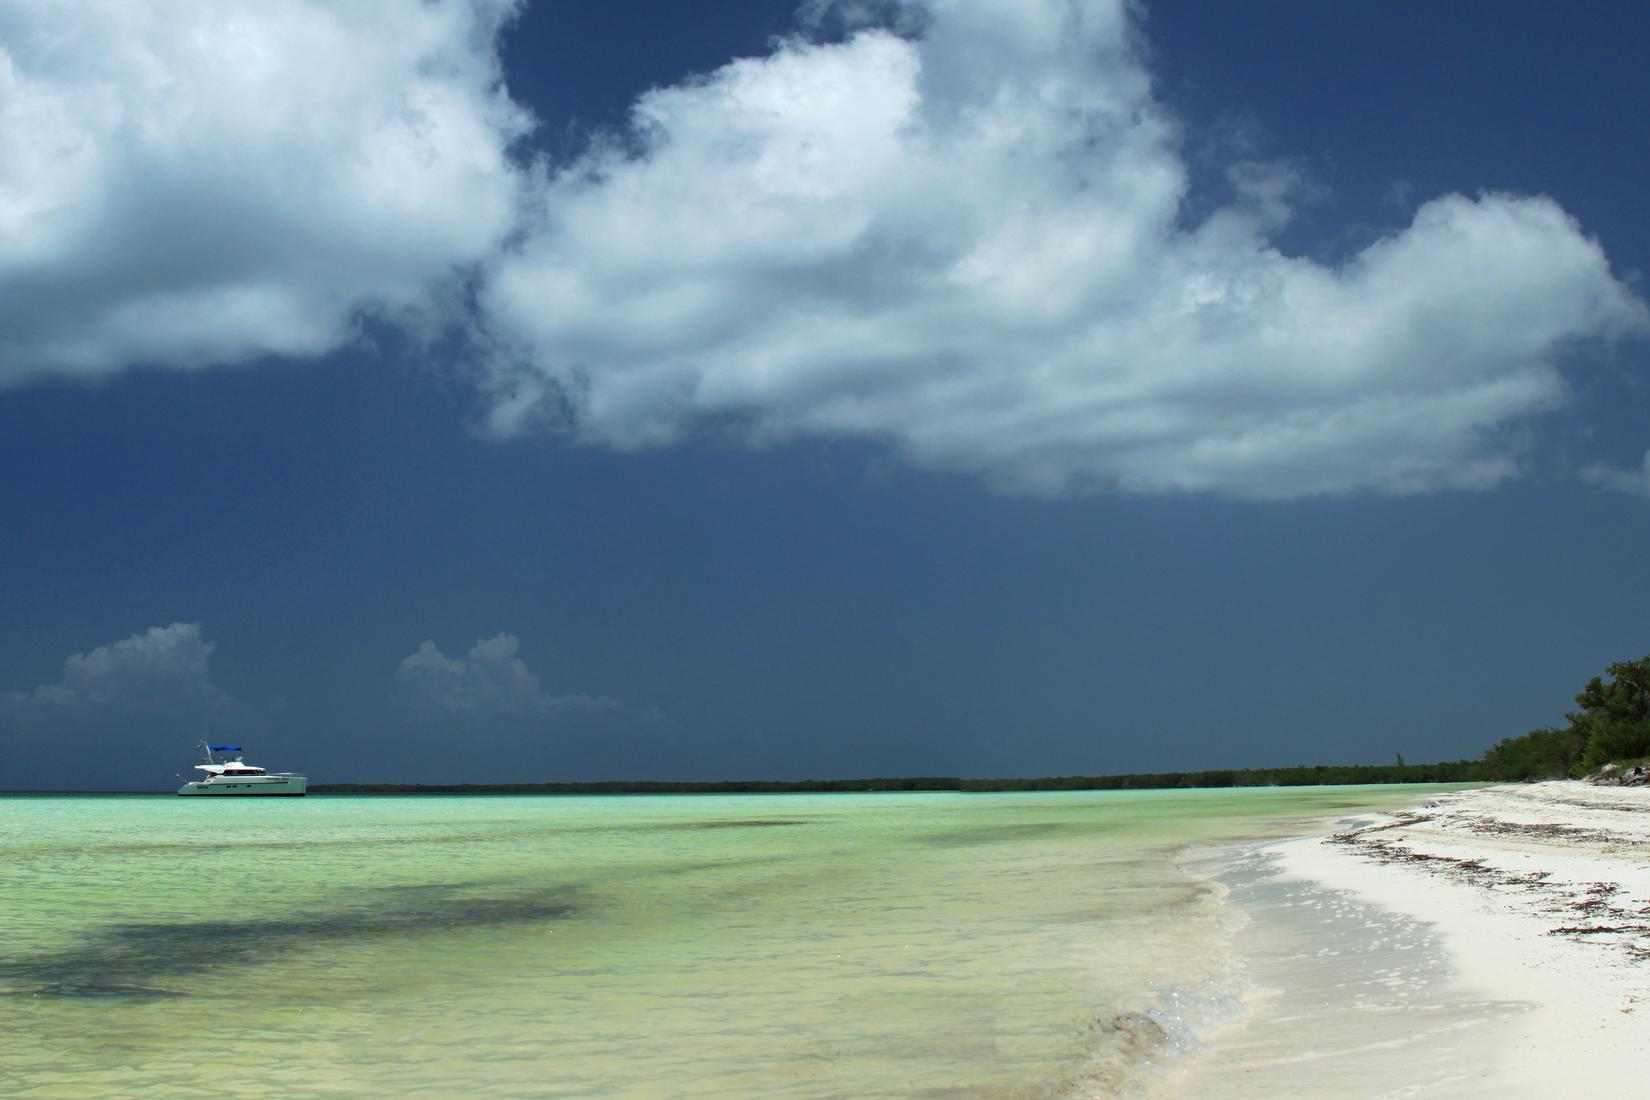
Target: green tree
x=1615 y=714
x=1539 y=754
x=1612 y=722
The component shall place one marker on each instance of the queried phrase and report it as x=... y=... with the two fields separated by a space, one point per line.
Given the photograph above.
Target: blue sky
x=464 y=392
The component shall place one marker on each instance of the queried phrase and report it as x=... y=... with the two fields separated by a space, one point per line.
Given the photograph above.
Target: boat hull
x=248 y=786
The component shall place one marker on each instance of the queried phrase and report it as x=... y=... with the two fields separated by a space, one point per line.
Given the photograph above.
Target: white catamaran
x=231 y=775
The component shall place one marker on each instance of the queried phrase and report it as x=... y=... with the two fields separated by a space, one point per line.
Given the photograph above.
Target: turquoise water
x=929 y=945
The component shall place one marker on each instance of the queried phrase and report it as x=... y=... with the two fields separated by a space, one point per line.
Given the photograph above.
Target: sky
x=473 y=391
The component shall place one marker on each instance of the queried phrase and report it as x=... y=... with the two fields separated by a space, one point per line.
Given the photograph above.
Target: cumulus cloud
x=490 y=680
x=188 y=182
x=960 y=227
x=1633 y=482
x=159 y=673
x=965 y=236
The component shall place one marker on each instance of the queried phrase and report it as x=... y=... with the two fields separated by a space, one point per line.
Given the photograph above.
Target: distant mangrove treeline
x=1612 y=725
x=1460 y=771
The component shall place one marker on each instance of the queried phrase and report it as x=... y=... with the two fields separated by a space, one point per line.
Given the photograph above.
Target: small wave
x=1134 y=1046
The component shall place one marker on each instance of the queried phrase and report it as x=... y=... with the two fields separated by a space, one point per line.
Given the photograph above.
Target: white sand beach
x=1488 y=943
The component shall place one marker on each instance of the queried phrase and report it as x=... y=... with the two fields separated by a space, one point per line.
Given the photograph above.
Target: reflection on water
x=867 y=945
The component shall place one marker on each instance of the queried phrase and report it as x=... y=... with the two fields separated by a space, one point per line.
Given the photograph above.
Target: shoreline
x=1490 y=942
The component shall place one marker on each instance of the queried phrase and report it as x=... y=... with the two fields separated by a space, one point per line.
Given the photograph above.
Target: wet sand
x=1491 y=942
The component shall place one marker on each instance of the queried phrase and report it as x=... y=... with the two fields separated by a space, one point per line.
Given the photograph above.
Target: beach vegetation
x=1611 y=724
x=1615 y=714
x=1546 y=753
x=1299 y=775
x=1616 y=742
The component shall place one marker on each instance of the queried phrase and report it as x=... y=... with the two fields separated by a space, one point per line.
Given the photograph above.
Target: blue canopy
x=226 y=748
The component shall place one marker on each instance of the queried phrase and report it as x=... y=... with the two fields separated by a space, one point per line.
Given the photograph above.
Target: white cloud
x=489 y=680
x=161 y=672
x=969 y=239
x=1633 y=482
x=970 y=245
x=187 y=182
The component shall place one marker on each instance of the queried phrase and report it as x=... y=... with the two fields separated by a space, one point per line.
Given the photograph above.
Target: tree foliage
x=1540 y=754
x=1615 y=715
x=1611 y=722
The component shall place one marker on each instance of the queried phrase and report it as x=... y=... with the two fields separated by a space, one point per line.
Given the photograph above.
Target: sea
x=856 y=945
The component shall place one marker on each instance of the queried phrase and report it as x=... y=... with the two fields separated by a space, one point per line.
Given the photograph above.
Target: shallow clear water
x=932 y=945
